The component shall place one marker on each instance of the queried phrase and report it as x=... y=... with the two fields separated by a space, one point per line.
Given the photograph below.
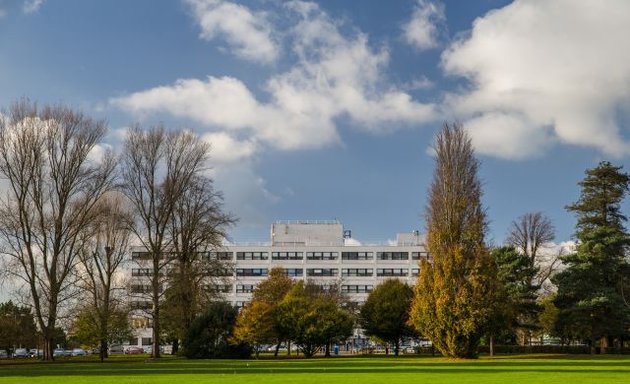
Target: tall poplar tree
x=453 y=301
x=590 y=296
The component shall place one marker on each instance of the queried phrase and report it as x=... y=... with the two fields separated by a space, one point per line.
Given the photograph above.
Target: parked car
x=20 y=352
x=94 y=351
x=33 y=352
x=59 y=352
x=134 y=350
x=116 y=349
x=4 y=354
x=148 y=349
x=78 y=352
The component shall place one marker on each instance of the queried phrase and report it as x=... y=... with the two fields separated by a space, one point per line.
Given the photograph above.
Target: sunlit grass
x=503 y=369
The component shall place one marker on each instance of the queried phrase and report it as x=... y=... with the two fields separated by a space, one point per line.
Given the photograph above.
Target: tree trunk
x=491 y=345
x=175 y=348
x=275 y=354
x=327 y=353
x=396 y=347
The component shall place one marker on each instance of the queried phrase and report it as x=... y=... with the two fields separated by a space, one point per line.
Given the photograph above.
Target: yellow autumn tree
x=453 y=301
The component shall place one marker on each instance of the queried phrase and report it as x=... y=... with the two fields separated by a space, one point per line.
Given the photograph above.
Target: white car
x=78 y=352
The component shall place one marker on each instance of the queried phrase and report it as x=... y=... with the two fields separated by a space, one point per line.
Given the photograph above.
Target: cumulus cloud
x=226 y=149
x=423 y=29
x=248 y=33
x=334 y=76
x=542 y=72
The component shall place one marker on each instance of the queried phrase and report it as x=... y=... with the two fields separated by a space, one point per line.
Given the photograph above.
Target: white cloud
x=32 y=6
x=423 y=29
x=226 y=149
x=545 y=71
x=509 y=136
x=248 y=33
x=334 y=76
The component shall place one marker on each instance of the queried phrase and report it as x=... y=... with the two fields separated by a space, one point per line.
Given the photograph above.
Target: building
x=319 y=251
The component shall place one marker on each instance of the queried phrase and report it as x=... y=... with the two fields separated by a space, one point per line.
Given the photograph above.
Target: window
x=252 y=255
x=222 y=288
x=359 y=272
x=322 y=255
x=356 y=288
x=140 y=256
x=393 y=255
x=147 y=341
x=251 y=272
x=141 y=272
x=294 y=272
x=133 y=341
x=415 y=272
x=221 y=272
x=419 y=255
x=245 y=288
x=221 y=256
x=287 y=255
x=392 y=272
x=322 y=272
x=143 y=288
x=137 y=304
x=239 y=304
x=357 y=255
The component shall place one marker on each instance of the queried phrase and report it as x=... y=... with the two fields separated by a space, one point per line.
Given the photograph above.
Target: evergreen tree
x=515 y=272
x=453 y=302
x=590 y=298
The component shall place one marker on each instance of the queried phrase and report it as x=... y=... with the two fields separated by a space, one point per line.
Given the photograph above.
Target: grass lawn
x=548 y=369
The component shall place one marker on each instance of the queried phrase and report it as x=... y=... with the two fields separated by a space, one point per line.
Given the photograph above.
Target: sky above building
x=327 y=110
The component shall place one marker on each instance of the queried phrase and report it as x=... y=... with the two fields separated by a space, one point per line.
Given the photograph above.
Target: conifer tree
x=452 y=303
x=590 y=296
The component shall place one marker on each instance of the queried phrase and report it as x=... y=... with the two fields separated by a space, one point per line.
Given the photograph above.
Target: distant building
x=319 y=251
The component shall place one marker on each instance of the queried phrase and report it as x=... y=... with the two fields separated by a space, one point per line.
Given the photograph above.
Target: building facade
x=319 y=251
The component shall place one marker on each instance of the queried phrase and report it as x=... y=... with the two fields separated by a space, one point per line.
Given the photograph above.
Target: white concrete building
x=319 y=251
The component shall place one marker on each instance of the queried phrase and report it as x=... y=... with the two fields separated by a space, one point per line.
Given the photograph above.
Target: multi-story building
x=320 y=251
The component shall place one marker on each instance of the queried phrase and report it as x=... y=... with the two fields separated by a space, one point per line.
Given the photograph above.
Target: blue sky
x=326 y=110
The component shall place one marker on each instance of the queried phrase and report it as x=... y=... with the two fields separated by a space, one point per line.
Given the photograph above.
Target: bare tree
x=198 y=226
x=53 y=187
x=103 y=252
x=532 y=235
x=158 y=168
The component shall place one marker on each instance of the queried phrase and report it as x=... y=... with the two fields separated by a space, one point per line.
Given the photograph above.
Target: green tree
x=590 y=298
x=210 y=334
x=17 y=326
x=258 y=321
x=313 y=319
x=453 y=302
x=88 y=331
x=515 y=272
x=385 y=313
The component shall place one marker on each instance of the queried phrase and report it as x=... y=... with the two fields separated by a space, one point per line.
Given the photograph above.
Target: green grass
x=548 y=369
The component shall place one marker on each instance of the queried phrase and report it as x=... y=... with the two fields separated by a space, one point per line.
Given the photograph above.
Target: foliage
x=452 y=304
x=515 y=272
x=17 y=326
x=258 y=322
x=210 y=333
x=88 y=331
x=385 y=313
x=312 y=318
x=590 y=297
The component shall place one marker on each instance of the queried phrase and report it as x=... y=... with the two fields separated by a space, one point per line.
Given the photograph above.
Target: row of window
x=318 y=255
x=262 y=255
